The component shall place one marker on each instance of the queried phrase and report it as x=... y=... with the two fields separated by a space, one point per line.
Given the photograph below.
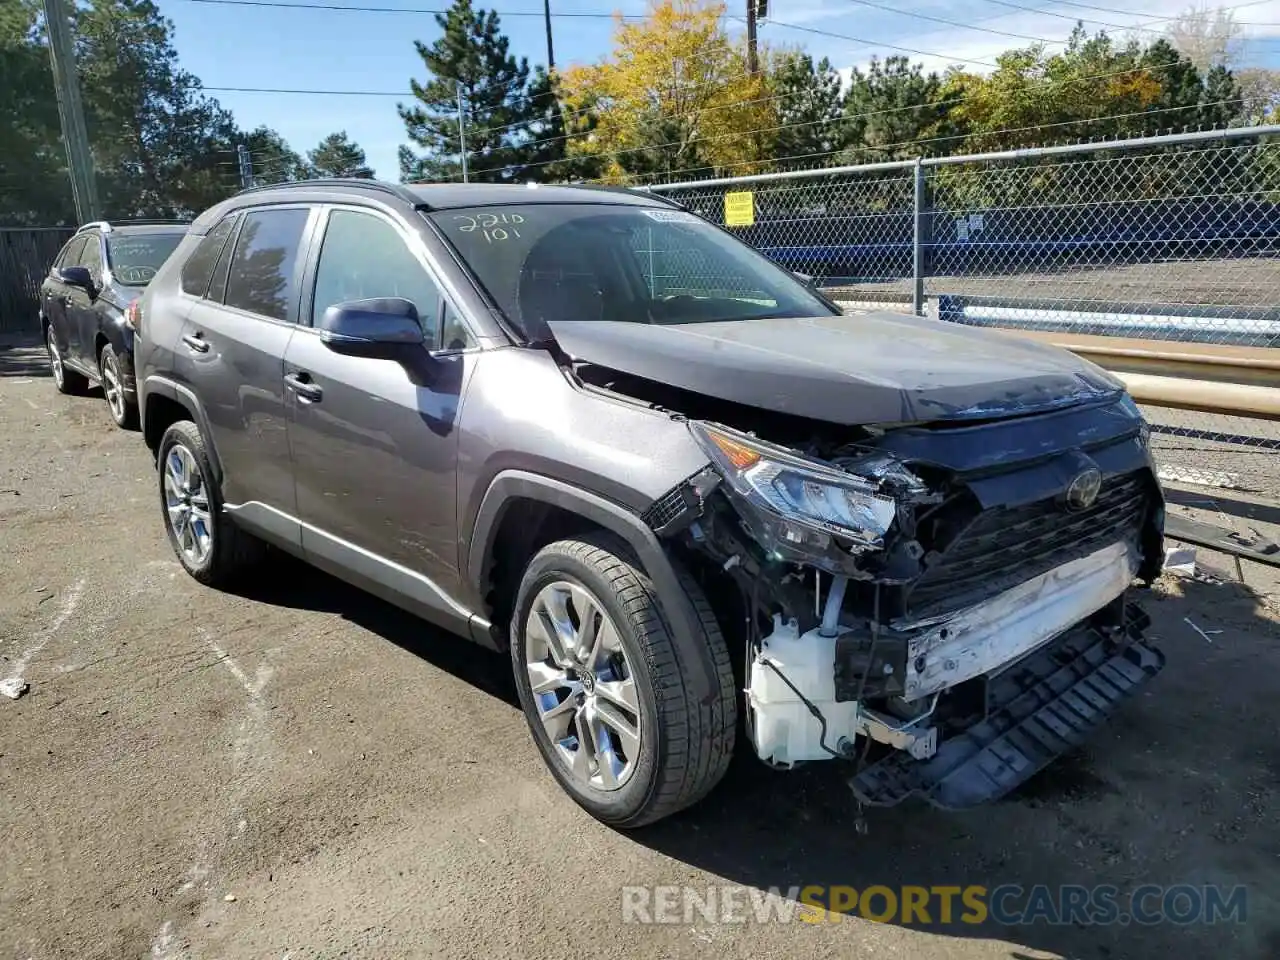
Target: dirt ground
x=305 y=772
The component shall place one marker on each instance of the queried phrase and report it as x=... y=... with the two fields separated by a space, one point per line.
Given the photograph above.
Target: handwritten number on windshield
x=495 y=226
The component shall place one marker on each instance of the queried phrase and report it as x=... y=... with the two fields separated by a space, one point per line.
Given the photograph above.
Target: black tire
x=67 y=381
x=127 y=416
x=686 y=745
x=233 y=552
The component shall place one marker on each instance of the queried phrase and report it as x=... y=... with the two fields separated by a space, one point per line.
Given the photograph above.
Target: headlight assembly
x=801 y=503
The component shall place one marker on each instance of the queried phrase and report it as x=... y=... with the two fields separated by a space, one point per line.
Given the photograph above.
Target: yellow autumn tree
x=674 y=98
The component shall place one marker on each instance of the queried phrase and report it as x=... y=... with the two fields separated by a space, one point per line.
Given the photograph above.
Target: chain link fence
x=1173 y=238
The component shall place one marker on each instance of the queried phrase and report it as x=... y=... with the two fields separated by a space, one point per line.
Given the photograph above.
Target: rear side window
x=263 y=274
x=199 y=266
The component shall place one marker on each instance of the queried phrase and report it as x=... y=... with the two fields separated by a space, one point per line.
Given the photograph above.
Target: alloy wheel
x=583 y=685
x=186 y=499
x=111 y=386
x=55 y=358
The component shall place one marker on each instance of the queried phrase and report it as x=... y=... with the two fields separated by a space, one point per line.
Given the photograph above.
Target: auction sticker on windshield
x=670 y=216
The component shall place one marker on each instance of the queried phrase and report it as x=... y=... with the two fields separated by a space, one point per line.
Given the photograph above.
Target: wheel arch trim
x=164 y=387
x=695 y=658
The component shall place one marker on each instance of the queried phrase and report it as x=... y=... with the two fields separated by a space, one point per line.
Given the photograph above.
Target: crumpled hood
x=861 y=368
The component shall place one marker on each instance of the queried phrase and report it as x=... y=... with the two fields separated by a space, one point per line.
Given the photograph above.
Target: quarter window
x=364 y=257
x=199 y=266
x=262 y=277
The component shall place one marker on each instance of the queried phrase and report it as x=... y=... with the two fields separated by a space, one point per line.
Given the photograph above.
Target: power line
x=944 y=101
x=929 y=140
x=413 y=10
x=1143 y=26
x=960 y=136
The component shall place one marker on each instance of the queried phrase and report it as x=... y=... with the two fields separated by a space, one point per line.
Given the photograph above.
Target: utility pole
x=753 y=61
x=75 y=135
x=246 y=166
x=462 y=135
x=551 y=54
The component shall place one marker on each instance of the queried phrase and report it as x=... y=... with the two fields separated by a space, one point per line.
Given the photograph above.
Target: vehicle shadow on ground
x=23 y=357
x=1182 y=786
x=295 y=584
x=1178 y=788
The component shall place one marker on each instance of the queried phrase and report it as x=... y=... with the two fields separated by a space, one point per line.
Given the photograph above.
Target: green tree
x=471 y=59
x=161 y=147
x=891 y=107
x=273 y=160
x=33 y=183
x=808 y=113
x=337 y=156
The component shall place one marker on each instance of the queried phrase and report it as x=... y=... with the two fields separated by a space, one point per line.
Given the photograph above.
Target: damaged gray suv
x=695 y=502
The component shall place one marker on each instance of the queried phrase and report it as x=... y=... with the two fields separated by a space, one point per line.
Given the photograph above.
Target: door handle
x=195 y=342
x=304 y=388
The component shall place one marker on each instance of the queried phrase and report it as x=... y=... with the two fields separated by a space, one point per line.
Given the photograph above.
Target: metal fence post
x=918 y=241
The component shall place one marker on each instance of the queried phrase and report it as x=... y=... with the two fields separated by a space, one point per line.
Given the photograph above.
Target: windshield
x=544 y=263
x=135 y=258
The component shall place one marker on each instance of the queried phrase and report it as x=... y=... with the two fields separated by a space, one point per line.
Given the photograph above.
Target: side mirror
x=384 y=328
x=76 y=277
x=804 y=278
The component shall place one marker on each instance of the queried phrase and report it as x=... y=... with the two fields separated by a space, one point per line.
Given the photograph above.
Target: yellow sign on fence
x=739 y=209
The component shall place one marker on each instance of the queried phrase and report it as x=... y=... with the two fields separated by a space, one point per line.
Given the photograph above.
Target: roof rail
x=106 y=225
x=399 y=191
x=632 y=191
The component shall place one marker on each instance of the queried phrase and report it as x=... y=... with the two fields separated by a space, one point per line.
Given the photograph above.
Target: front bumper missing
x=1045 y=705
x=989 y=635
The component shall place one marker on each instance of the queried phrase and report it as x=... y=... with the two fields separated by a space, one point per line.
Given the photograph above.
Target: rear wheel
x=206 y=541
x=65 y=379
x=600 y=681
x=124 y=413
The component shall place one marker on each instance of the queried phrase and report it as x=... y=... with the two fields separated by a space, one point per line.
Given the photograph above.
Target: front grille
x=1004 y=547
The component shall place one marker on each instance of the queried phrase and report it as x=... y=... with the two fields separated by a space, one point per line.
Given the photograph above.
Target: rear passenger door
x=81 y=305
x=232 y=349
x=57 y=295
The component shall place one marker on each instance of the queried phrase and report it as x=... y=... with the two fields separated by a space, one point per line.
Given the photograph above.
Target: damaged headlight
x=804 y=502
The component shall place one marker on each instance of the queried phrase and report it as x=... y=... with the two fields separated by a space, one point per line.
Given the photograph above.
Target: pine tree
x=472 y=58
x=337 y=156
x=808 y=107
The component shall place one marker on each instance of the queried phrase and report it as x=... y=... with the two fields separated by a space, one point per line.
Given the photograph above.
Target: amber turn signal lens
x=738 y=454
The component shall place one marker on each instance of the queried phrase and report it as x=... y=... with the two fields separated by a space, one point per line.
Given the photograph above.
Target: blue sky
x=331 y=50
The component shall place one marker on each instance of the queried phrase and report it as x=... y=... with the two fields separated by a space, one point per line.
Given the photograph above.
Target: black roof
x=449 y=196
x=429 y=196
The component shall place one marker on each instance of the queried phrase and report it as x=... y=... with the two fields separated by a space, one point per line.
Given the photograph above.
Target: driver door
x=373 y=441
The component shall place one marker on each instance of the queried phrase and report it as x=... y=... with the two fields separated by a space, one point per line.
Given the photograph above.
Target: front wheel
x=599 y=677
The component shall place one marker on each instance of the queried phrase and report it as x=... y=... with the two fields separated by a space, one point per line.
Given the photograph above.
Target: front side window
x=262 y=275
x=136 y=258
x=364 y=257
x=70 y=256
x=543 y=263
x=199 y=266
x=92 y=257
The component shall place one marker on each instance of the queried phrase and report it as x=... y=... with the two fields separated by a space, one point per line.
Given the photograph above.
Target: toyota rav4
x=693 y=500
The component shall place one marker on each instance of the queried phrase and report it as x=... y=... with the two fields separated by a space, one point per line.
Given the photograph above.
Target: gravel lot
x=364 y=786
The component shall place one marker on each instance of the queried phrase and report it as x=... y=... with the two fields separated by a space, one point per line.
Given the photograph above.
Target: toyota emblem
x=1083 y=490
